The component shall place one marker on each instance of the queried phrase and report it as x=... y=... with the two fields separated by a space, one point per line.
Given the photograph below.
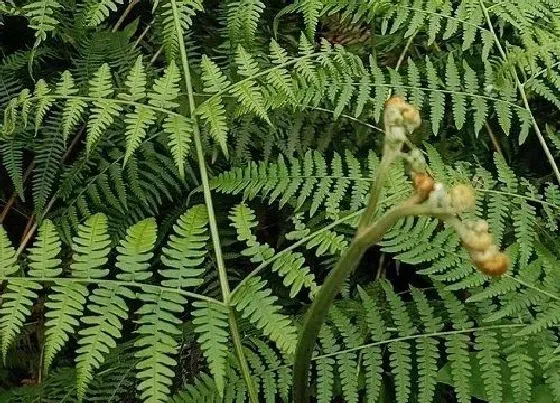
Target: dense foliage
x=179 y=176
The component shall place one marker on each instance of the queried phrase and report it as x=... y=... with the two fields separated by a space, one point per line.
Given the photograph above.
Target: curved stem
x=234 y=332
x=331 y=287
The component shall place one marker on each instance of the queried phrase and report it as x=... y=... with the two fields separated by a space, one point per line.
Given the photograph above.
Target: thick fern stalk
x=209 y=205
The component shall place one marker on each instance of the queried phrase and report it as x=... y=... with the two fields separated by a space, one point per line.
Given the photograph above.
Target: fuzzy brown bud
x=494 y=266
x=423 y=185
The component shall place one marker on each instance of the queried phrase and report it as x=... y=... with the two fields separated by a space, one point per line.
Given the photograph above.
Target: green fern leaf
x=42 y=18
x=166 y=89
x=12 y=159
x=65 y=305
x=103 y=328
x=135 y=251
x=97 y=11
x=211 y=322
x=17 y=301
x=347 y=361
x=43 y=254
x=43 y=104
x=73 y=107
x=214 y=114
x=107 y=305
x=325 y=366
x=90 y=249
x=156 y=343
x=180 y=130
x=478 y=104
x=186 y=250
x=427 y=348
x=400 y=359
x=524 y=218
x=138 y=121
x=48 y=157
x=520 y=364
x=242 y=20
x=490 y=364
x=254 y=301
x=453 y=83
x=456 y=345
x=104 y=110
x=184 y=12
x=436 y=98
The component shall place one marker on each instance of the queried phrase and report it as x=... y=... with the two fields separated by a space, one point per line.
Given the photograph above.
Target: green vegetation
x=200 y=200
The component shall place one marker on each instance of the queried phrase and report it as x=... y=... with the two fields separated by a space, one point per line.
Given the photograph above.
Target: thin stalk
x=375 y=191
x=244 y=366
x=331 y=287
x=523 y=94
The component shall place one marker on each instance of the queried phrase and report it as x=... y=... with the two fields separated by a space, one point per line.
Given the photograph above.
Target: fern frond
x=138 y=121
x=107 y=304
x=73 y=107
x=242 y=20
x=427 y=347
x=90 y=249
x=289 y=265
x=325 y=365
x=253 y=301
x=17 y=298
x=48 y=158
x=104 y=110
x=12 y=159
x=97 y=11
x=43 y=255
x=490 y=364
x=185 y=10
x=42 y=18
x=456 y=345
x=400 y=359
x=156 y=344
x=43 y=104
x=211 y=323
x=180 y=131
x=185 y=250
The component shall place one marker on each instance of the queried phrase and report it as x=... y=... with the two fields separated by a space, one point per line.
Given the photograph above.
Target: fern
x=107 y=304
x=185 y=10
x=210 y=323
x=185 y=251
x=104 y=111
x=289 y=265
x=253 y=301
x=90 y=248
x=95 y=12
x=42 y=18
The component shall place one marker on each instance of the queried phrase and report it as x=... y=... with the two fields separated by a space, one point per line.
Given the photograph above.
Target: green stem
x=375 y=192
x=224 y=285
x=331 y=287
